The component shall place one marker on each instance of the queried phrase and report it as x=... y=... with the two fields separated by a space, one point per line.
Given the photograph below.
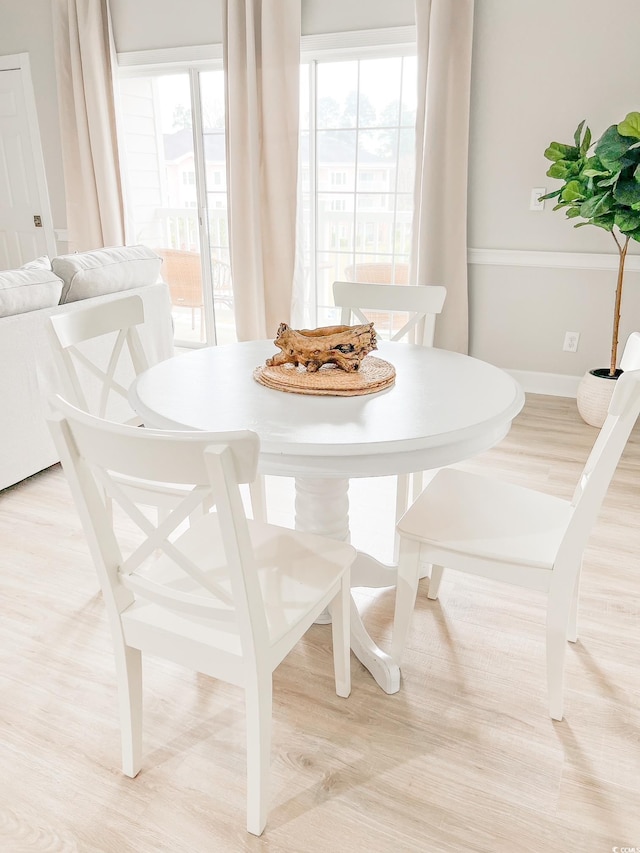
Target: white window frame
x=360 y=44
x=191 y=61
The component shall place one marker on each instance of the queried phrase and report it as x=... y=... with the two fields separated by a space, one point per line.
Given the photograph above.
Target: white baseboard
x=555 y=384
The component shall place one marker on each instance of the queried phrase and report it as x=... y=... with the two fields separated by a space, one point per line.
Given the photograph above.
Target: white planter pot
x=594 y=395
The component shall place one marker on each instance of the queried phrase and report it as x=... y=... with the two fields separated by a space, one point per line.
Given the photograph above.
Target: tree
x=181 y=117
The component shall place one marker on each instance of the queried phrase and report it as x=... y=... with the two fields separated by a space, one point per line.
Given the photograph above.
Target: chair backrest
x=221 y=276
x=378 y=272
x=96 y=454
x=600 y=467
x=183 y=273
x=124 y=356
x=420 y=303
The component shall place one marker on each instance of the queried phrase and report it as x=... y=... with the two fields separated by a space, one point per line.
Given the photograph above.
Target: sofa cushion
x=87 y=274
x=28 y=290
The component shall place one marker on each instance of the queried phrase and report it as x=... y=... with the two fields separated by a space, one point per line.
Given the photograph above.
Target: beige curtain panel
x=439 y=247
x=84 y=70
x=262 y=60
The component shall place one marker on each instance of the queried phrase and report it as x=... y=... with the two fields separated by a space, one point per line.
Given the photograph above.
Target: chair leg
x=258 y=701
x=129 y=678
x=572 y=626
x=341 y=638
x=258 y=499
x=434 y=584
x=402 y=502
x=406 y=590
x=558 y=608
x=416 y=485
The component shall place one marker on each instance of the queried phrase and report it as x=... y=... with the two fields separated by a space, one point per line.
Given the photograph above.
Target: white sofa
x=28 y=297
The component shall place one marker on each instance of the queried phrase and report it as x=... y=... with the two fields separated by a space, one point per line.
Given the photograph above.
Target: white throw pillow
x=43 y=263
x=87 y=274
x=28 y=290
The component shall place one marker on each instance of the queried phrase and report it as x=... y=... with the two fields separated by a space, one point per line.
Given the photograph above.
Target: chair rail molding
x=557 y=260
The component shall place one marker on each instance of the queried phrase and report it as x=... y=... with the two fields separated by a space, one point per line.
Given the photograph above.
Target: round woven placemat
x=375 y=374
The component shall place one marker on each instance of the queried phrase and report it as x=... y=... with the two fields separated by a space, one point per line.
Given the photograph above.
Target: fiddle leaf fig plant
x=601 y=186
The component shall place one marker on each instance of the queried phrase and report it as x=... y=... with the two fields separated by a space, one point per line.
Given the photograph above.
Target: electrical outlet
x=571 y=341
x=535 y=203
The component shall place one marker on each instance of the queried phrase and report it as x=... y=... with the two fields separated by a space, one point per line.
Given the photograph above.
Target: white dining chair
x=510 y=533
x=418 y=306
x=226 y=596
x=99 y=383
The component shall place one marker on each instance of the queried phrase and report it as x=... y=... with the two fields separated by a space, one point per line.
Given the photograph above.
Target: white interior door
x=26 y=228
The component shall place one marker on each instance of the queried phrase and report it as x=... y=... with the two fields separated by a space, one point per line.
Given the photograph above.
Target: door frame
x=20 y=62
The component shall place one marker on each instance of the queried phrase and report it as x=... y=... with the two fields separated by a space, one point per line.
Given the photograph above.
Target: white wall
x=197 y=22
x=26 y=28
x=539 y=67
x=152 y=24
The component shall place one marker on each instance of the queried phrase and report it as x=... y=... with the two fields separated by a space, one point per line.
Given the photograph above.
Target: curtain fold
x=444 y=32
x=84 y=72
x=261 y=46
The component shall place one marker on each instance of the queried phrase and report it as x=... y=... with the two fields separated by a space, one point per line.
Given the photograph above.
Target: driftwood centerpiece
x=344 y=346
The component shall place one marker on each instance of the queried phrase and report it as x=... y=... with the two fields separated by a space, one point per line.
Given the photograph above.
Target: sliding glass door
x=173 y=132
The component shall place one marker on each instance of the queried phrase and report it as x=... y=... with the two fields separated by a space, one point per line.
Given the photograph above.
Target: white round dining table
x=443 y=407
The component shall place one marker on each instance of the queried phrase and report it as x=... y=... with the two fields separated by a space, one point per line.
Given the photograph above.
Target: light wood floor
x=463 y=758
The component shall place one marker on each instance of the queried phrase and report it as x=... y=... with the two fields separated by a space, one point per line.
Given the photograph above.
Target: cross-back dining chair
x=97 y=382
x=483 y=526
x=419 y=307
x=100 y=385
x=226 y=596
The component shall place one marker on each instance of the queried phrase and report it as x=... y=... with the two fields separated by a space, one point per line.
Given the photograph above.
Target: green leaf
x=627 y=221
x=608 y=182
x=554 y=194
x=611 y=147
x=563 y=169
x=572 y=191
x=578 y=133
x=607 y=222
x=627 y=192
x=635 y=235
x=559 y=151
x=596 y=206
x=636 y=173
x=573 y=212
x=586 y=142
x=630 y=126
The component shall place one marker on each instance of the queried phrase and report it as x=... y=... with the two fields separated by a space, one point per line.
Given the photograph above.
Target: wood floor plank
x=464 y=757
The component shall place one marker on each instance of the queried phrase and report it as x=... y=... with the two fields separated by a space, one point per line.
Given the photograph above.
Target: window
x=357 y=127
x=357 y=136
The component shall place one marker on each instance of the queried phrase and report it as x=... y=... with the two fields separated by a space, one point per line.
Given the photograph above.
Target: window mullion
x=201 y=195
x=313 y=186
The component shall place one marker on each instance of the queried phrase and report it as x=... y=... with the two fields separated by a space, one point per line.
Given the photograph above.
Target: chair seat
x=470 y=514
x=296 y=572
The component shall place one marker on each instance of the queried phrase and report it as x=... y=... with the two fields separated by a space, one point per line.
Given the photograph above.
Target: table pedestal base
x=322 y=507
